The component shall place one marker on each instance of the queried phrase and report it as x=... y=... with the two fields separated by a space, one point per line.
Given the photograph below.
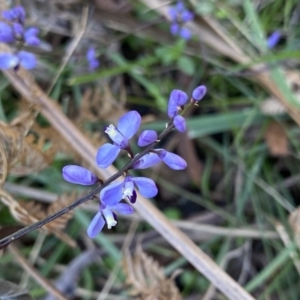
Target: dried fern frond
x=16 y=147
x=99 y=104
x=146 y=278
x=29 y=212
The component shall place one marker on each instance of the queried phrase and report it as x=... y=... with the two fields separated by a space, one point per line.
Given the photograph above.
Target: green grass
x=241 y=183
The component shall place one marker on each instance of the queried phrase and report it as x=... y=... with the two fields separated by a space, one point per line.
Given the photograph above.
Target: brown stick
x=35 y=274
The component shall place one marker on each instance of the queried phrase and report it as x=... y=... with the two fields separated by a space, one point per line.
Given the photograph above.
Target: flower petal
x=185 y=33
x=147 y=137
x=180 y=6
x=109 y=217
x=6 y=33
x=106 y=155
x=78 y=175
x=115 y=135
x=30 y=36
x=132 y=199
x=91 y=53
x=179 y=123
x=129 y=124
x=112 y=194
x=172 y=108
x=123 y=208
x=8 y=60
x=18 y=29
x=174 y=161
x=174 y=28
x=147 y=161
x=172 y=12
x=128 y=188
x=6 y=14
x=187 y=16
x=96 y=225
x=27 y=60
x=94 y=64
x=199 y=92
x=146 y=186
x=179 y=97
x=18 y=14
x=273 y=39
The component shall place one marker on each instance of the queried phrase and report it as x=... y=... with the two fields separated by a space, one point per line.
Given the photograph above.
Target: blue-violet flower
x=22 y=58
x=78 y=175
x=273 y=39
x=107 y=215
x=115 y=192
x=92 y=60
x=147 y=137
x=127 y=127
x=179 y=15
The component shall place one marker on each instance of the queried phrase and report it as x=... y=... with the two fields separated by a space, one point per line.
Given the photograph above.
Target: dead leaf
x=146 y=278
x=29 y=212
x=276 y=139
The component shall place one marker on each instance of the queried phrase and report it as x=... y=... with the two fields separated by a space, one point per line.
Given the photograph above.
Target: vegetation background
x=237 y=199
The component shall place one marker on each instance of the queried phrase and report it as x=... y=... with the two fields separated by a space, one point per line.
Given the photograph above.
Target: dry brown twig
x=47 y=285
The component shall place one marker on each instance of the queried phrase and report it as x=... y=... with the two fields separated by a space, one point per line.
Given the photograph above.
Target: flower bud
x=199 y=92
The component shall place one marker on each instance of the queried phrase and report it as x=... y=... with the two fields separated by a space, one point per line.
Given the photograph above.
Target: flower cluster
x=12 y=31
x=128 y=125
x=179 y=16
x=178 y=99
x=91 y=59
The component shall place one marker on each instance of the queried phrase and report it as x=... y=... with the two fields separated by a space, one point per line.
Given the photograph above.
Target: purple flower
x=16 y=14
x=115 y=192
x=30 y=36
x=177 y=98
x=24 y=59
x=8 y=61
x=18 y=29
x=107 y=215
x=173 y=13
x=174 y=28
x=174 y=161
x=27 y=60
x=147 y=161
x=273 y=39
x=180 y=15
x=6 y=33
x=187 y=16
x=127 y=127
x=91 y=58
x=147 y=137
x=78 y=175
x=199 y=92
x=185 y=33
x=179 y=123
